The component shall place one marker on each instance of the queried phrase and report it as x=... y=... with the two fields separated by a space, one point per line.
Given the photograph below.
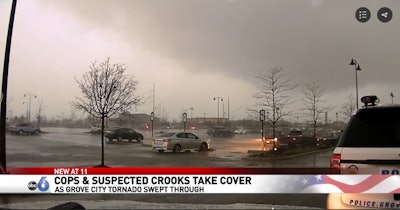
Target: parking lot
x=77 y=147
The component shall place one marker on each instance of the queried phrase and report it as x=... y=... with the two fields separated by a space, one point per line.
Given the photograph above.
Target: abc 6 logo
x=32 y=185
x=43 y=185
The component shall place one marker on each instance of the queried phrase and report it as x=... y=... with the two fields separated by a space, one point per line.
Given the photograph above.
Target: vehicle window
x=166 y=134
x=377 y=128
x=191 y=136
x=182 y=135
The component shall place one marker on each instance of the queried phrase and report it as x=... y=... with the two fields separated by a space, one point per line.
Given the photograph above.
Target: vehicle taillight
x=335 y=163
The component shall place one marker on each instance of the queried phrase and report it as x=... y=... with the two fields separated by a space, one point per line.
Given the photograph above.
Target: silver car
x=180 y=141
x=24 y=128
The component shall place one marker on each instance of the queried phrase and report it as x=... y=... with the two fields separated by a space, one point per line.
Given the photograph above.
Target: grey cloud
x=310 y=39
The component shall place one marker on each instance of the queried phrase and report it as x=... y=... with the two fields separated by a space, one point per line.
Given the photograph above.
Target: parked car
x=295 y=135
x=277 y=141
x=370 y=144
x=329 y=140
x=24 y=128
x=180 y=141
x=220 y=131
x=241 y=131
x=96 y=129
x=296 y=138
x=123 y=133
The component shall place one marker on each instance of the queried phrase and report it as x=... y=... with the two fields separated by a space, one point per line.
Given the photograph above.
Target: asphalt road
x=74 y=147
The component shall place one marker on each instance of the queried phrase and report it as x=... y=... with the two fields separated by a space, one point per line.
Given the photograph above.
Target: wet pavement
x=76 y=147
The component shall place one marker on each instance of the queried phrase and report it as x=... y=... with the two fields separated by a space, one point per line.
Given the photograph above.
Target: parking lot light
x=357 y=67
x=218 y=99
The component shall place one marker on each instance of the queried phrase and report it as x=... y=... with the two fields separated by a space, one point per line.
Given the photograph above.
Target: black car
x=220 y=131
x=296 y=138
x=329 y=140
x=123 y=133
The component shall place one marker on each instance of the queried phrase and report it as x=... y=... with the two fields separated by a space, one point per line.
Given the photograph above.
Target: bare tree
x=273 y=95
x=313 y=94
x=39 y=115
x=349 y=107
x=107 y=91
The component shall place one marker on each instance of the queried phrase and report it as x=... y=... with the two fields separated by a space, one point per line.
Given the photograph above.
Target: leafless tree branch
x=273 y=95
x=106 y=91
x=313 y=94
x=349 y=107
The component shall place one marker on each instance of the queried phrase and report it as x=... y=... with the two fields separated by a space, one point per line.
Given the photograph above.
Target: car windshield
x=295 y=133
x=373 y=128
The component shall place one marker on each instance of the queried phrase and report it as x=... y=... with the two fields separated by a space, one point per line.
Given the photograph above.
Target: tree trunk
x=314 y=129
x=273 y=133
x=102 y=140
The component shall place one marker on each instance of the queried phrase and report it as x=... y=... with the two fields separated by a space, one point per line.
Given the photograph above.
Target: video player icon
x=363 y=14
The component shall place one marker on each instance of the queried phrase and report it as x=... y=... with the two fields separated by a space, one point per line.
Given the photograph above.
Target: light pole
x=356 y=68
x=391 y=95
x=223 y=110
x=218 y=99
x=29 y=104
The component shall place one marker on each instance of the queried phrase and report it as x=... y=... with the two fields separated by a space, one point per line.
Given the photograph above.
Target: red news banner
x=167 y=171
x=192 y=180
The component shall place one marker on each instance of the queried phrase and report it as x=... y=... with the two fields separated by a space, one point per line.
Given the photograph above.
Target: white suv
x=370 y=144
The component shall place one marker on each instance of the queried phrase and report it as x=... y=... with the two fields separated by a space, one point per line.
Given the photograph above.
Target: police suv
x=370 y=144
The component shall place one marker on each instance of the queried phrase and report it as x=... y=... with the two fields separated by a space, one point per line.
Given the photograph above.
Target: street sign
x=262 y=115
x=152 y=116
x=184 y=117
